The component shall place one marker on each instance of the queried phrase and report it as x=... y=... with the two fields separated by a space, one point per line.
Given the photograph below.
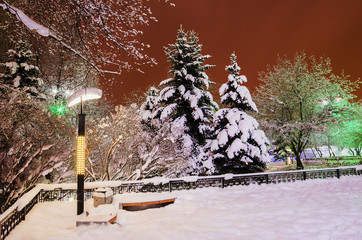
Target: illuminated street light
x=84 y=94
x=80 y=96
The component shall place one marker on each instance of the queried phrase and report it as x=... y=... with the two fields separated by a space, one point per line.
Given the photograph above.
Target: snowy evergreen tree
x=239 y=146
x=184 y=98
x=19 y=71
x=149 y=105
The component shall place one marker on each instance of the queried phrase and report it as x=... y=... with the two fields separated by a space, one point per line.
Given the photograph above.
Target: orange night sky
x=257 y=30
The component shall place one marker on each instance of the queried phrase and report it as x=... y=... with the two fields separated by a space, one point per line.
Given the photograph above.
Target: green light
x=57 y=109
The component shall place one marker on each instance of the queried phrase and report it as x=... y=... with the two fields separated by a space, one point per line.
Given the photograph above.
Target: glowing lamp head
x=84 y=94
x=80 y=155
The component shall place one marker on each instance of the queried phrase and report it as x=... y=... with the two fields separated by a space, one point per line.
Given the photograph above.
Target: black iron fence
x=60 y=194
x=15 y=217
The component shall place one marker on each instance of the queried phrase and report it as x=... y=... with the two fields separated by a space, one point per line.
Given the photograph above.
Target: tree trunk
x=358 y=151
x=297 y=152
x=319 y=152
x=315 y=156
x=350 y=149
x=300 y=165
x=331 y=153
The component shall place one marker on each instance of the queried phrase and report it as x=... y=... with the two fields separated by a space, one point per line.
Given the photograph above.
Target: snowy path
x=314 y=209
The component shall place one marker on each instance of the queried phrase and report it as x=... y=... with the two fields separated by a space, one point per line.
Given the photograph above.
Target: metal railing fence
x=222 y=181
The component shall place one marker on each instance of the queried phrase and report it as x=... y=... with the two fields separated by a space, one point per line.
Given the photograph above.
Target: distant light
x=67 y=92
x=84 y=94
x=324 y=102
x=71 y=199
x=54 y=91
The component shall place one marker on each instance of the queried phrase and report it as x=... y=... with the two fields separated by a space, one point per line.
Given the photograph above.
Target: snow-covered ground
x=313 y=209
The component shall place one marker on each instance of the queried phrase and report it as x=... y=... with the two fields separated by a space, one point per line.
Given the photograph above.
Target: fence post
x=338 y=173
x=2 y=231
x=170 y=185
x=23 y=213
x=304 y=175
x=222 y=182
x=40 y=199
x=267 y=178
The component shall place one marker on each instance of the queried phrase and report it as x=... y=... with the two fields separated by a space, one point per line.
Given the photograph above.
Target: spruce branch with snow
x=239 y=146
x=233 y=93
x=19 y=70
x=150 y=104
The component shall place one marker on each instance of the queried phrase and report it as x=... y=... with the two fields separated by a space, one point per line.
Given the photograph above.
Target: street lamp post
x=80 y=157
x=79 y=96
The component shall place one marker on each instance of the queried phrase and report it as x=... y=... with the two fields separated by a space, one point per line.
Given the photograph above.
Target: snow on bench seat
x=142 y=201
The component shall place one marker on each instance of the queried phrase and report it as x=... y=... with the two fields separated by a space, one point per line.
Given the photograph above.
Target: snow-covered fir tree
x=149 y=105
x=19 y=71
x=239 y=146
x=184 y=98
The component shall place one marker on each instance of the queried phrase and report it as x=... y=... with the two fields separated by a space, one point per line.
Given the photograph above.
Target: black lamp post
x=80 y=160
x=78 y=97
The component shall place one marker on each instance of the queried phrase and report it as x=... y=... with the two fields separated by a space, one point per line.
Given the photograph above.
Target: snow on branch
x=45 y=32
x=29 y=23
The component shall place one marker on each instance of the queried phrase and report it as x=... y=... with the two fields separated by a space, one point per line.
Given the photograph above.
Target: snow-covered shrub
x=121 y=147
x=35 y=146
x=111 y=144
x=166 y=151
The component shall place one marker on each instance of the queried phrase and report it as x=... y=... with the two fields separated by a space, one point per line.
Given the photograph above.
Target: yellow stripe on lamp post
x=80 y=155
x=80 y=96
